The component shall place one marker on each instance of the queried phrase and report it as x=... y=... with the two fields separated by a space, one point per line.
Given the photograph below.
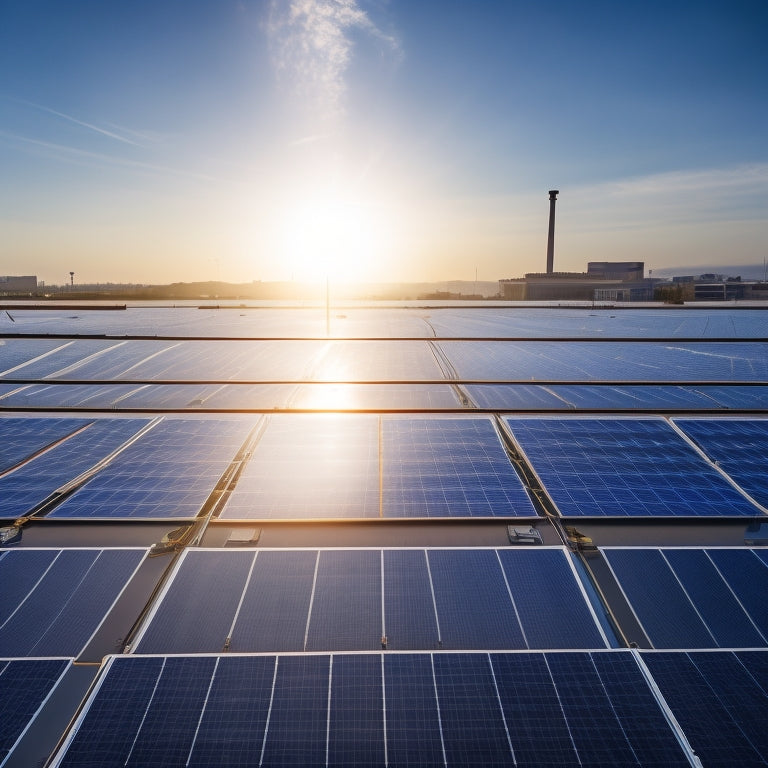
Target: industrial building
x=10 y=284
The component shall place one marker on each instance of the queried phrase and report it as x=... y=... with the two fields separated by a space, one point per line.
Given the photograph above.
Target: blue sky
x=380 y=140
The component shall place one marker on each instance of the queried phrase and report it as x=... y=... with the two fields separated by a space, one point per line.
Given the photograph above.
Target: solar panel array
x=405 y=599
x=425 y=440
x=375 y=709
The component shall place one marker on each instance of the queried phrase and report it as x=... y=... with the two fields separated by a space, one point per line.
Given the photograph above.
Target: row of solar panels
x=440 y=709
x=358 y=466
x=53 y=601
x=385 y=397
x=261 y=320
x=155 y=361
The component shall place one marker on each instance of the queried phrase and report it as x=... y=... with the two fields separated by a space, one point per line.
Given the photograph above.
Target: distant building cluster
x=603 y=281
x=12 y=284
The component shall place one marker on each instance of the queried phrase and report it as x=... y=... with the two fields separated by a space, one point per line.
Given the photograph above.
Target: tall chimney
x=553 y=193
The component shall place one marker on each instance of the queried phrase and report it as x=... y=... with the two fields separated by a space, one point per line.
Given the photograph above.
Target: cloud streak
x=312 y=44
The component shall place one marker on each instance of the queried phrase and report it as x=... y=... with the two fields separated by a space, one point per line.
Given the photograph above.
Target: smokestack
x=553 y=193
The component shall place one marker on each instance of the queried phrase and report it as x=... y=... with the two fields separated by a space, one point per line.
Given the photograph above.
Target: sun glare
x=333 y=237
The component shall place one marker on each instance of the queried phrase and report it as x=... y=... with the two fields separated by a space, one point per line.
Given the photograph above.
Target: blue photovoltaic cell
x=473 y=726
x=212 y=597
x=665 y=611
x=473 y=603
x=21 y=438
x=551 y=607
x=413 y=720
x=514 y=397
x=29 y=485
x=167 y=732
x=448 y=468
x=538 y=729
x=532 y=361
x=17 y=354
x=20 y=570
x=739 y=447
x=695 y=598
x=197 y=610
x=720 y=699
x=66 y=605
x=115 y=714
x=274 y=611
x=310 y=466
x=408 y=606
x=714 y=599
x=24 y=685
x=346 y=607
x=613 y=716
x=298 y=722
x=356 y=718
x=627 y=397
x=231 y=731
x=457 y=709
x=624 y=468
x=747 y=575
x=168 y=473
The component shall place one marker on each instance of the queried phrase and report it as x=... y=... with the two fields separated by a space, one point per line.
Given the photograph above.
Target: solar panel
x=720 y=699
x=532 y=361
x=284 y=600
x=24 y=686
x=275 y=606
x=738 y=446
x=309 y=466
x=29 y=485
x=346 y=612
x=550 y=606
x=692 y=598
x=63 y=600
x=374 y=709
x=473 y=603
x=21 y=438
x=168 y=473
x=624 y=468
x=200 y=604
x=18 y=353
x=448 y=467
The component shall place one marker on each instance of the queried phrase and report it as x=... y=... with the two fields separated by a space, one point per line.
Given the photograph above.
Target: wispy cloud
x=312 y=47
x=112 y=134
x=671 y=198
x=64 y=153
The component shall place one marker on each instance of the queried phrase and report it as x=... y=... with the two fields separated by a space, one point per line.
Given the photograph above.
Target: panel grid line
x=501 y=708
x=311 y=600
x=28 y=595
x=512 y=600
x=434 y=600
x=688 y=597
x=437 y=706
x=242 y=595
x=269 y=712
x=562 y=709
x=328 y=711
x=202 y=710
x=146 y=712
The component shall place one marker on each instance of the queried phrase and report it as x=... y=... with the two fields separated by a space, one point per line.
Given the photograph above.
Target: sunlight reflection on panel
x=311 y=466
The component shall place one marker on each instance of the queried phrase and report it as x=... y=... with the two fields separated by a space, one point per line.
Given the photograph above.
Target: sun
x=333 y=236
